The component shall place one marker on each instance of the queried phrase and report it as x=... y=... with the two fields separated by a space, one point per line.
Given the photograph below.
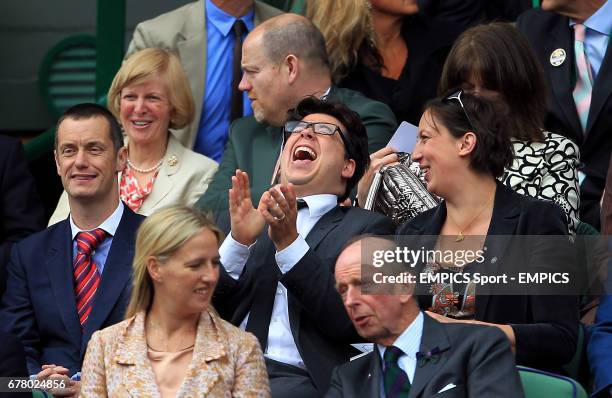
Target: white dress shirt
x=597 y=36
x=281 y=345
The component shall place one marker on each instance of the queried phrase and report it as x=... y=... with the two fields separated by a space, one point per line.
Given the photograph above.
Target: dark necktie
x=86 y=275
x=301 y=204
x=236 y=107
x=265 y=293
x=397 y=383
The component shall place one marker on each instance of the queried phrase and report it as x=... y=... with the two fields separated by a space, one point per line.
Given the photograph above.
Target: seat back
x=537 y=383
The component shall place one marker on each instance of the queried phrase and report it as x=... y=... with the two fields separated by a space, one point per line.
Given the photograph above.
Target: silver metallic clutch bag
x=398 y=191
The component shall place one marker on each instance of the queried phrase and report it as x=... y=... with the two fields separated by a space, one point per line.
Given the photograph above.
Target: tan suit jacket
x=182 y=180
x=226 y=362
x=183 y=31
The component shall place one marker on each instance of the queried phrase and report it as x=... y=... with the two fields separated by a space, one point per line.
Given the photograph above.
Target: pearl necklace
x=144 y=171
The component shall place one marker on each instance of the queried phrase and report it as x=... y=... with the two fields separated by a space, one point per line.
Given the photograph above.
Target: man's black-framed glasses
x=297 y=126
x=457 y=96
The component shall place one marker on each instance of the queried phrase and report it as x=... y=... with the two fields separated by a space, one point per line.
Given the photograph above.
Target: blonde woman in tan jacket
x=172 y=343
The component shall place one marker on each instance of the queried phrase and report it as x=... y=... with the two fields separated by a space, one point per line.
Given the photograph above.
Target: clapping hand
x=279 y=209
x=246 y=221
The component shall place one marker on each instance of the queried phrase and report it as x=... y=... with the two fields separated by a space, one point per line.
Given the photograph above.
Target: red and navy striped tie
x=86 y=275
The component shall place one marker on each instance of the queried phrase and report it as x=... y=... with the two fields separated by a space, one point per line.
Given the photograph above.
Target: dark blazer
x=39 y=304
x=254 y=147
x=319 y=323
x=477 y=359
x=546 y=32
x=12 y=361
x=545 y=326
x=428 y=42
x=606 y=205
x=21 y=212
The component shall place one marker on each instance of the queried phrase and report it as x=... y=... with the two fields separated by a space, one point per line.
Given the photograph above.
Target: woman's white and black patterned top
x=547 y=170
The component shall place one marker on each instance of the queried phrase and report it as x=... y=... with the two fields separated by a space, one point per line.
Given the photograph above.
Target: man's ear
x=467 y=143
x=57 y=165
x=349 y=168
x=292 y=66
x=121 y=159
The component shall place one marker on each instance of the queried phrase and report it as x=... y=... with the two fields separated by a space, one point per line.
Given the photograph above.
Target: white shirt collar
x=320 y=204
x=109 y=225
x=409 y=341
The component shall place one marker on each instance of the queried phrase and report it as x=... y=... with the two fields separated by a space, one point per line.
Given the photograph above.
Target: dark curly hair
x=355 y=134
x=488 y=120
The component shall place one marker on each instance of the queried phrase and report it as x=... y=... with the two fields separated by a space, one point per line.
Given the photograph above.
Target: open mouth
x=361 y=320
x=141 y=123
x=83 y=177
x=304 y=153
x=425 y=171
x=202 y=291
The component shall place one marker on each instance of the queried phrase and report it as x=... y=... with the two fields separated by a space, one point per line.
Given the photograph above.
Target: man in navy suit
x=277 y=282
x=72 y=279
x=414 y=355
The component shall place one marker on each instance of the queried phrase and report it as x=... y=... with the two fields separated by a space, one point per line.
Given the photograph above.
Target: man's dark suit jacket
x=21 y=213
x=39 y=304
x=254 y=147
x=545 y=326
x=12 y=362
x=477 y=359
x=548 y=31
x=321 y=328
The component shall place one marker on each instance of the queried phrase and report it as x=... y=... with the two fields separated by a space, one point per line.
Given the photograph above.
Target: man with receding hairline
x=283 y=60
x=73 y=278
x=414 y=355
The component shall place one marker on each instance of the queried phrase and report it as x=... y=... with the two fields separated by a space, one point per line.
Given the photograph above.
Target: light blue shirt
x=597 y=36
x=281 y=346
x=409 y=342
x=110 y=225
x=215 y=120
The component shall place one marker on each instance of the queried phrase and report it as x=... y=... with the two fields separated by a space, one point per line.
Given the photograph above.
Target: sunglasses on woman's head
x=457 y=96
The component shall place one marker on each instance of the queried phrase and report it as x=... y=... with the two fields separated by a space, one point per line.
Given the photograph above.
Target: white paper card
x=404 y=138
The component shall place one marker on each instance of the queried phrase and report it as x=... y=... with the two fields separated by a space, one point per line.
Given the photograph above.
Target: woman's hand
x=378 y=159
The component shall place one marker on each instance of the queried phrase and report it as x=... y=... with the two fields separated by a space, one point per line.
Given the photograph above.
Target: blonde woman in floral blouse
x=150 y=95
x=172 y=343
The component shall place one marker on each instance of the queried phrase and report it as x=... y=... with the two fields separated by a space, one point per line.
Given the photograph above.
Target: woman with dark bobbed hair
x=463 y=146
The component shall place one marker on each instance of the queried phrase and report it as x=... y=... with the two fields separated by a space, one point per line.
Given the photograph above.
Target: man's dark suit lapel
x=562 y=75
x=433 y=336
x=602 y=89
x=115 y=276
x=367 y=384
x=59 y=264
x=322 y=228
